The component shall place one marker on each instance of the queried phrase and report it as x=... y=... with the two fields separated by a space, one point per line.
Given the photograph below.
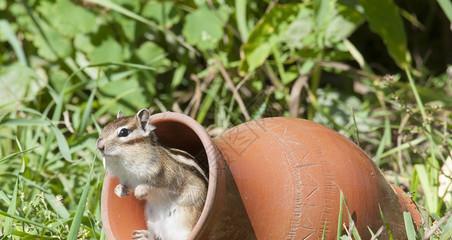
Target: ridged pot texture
x=291 y=172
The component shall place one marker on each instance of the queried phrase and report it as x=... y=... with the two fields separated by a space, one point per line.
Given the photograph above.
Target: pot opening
x=121 y=216
x=180 y=136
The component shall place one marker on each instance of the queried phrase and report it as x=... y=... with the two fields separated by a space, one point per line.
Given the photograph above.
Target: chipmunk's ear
x=119 y=115
x=143 y=121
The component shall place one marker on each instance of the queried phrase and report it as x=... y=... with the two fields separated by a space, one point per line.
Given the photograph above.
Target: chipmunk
x=170 y=180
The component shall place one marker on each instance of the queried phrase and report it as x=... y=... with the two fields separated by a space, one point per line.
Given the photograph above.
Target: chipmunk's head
x=127 y=136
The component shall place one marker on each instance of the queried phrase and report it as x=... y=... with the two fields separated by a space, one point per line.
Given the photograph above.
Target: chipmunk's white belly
x=128 y=173
x=165 y=219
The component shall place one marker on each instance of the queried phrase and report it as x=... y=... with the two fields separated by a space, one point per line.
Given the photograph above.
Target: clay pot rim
x=211 y=156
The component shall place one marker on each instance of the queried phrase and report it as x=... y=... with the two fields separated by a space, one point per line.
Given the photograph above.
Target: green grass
x=380 y=76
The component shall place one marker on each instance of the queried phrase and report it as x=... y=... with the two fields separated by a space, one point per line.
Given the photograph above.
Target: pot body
x=291 y=172
x=223 y=215
x=282 y=179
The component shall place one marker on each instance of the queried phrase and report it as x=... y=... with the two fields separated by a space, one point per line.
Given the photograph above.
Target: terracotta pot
x=289 y=173
x=223 y=216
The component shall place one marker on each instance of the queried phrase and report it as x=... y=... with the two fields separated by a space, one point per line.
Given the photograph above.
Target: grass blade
x=59 y=102
x=355 y=234
x=385 y=140
x=8 y=225
x=62 y=143
x=126 y=12
x=86 y=113
x=24 y=122
x=178 y=76
x=339 y=217
x=76 y=222
x=387 y=227
x=355 y=53
x=25 y=220
x=57 y=206
x=16 y=153
x=409 y=227
x=447 y=230
x=117 y=8
x=260 y=110
x=240 y=17
x=24 y=235
x=8 y=32
x=404 y=146
x=420 y=105
x=431 y=198
x=211 y=95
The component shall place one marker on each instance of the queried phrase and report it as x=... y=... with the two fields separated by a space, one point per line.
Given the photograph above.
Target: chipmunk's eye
x=123 y=132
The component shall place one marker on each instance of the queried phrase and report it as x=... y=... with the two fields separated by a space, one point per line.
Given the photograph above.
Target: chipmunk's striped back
x=186 y=159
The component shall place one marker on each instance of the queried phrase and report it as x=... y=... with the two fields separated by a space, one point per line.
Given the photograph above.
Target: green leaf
x=57 y=78
x=163 y=13
x=385 y=20
x=128 y=26
x=68 y=18
x=130 y=94
x=83 y=42
x=204 y=28
x=108 y=51
x=153 y=55
x=446 y=5
x=266 y=34
x=18 y=83
x=342 y=25
x=324 y=12
x=327 y=26
x=299 y=33
x=59 y=44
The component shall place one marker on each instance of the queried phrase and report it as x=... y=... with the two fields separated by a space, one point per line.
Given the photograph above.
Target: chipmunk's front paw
x=121 y=190
x=141 y=235
x=141 y=191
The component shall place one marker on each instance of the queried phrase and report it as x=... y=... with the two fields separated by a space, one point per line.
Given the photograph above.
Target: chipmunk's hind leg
x=142 y=235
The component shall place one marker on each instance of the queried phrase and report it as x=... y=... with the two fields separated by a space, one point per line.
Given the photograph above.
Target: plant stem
x=315 y=81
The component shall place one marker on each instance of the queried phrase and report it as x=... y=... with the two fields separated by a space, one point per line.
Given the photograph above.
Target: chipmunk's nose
x=100 y=144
